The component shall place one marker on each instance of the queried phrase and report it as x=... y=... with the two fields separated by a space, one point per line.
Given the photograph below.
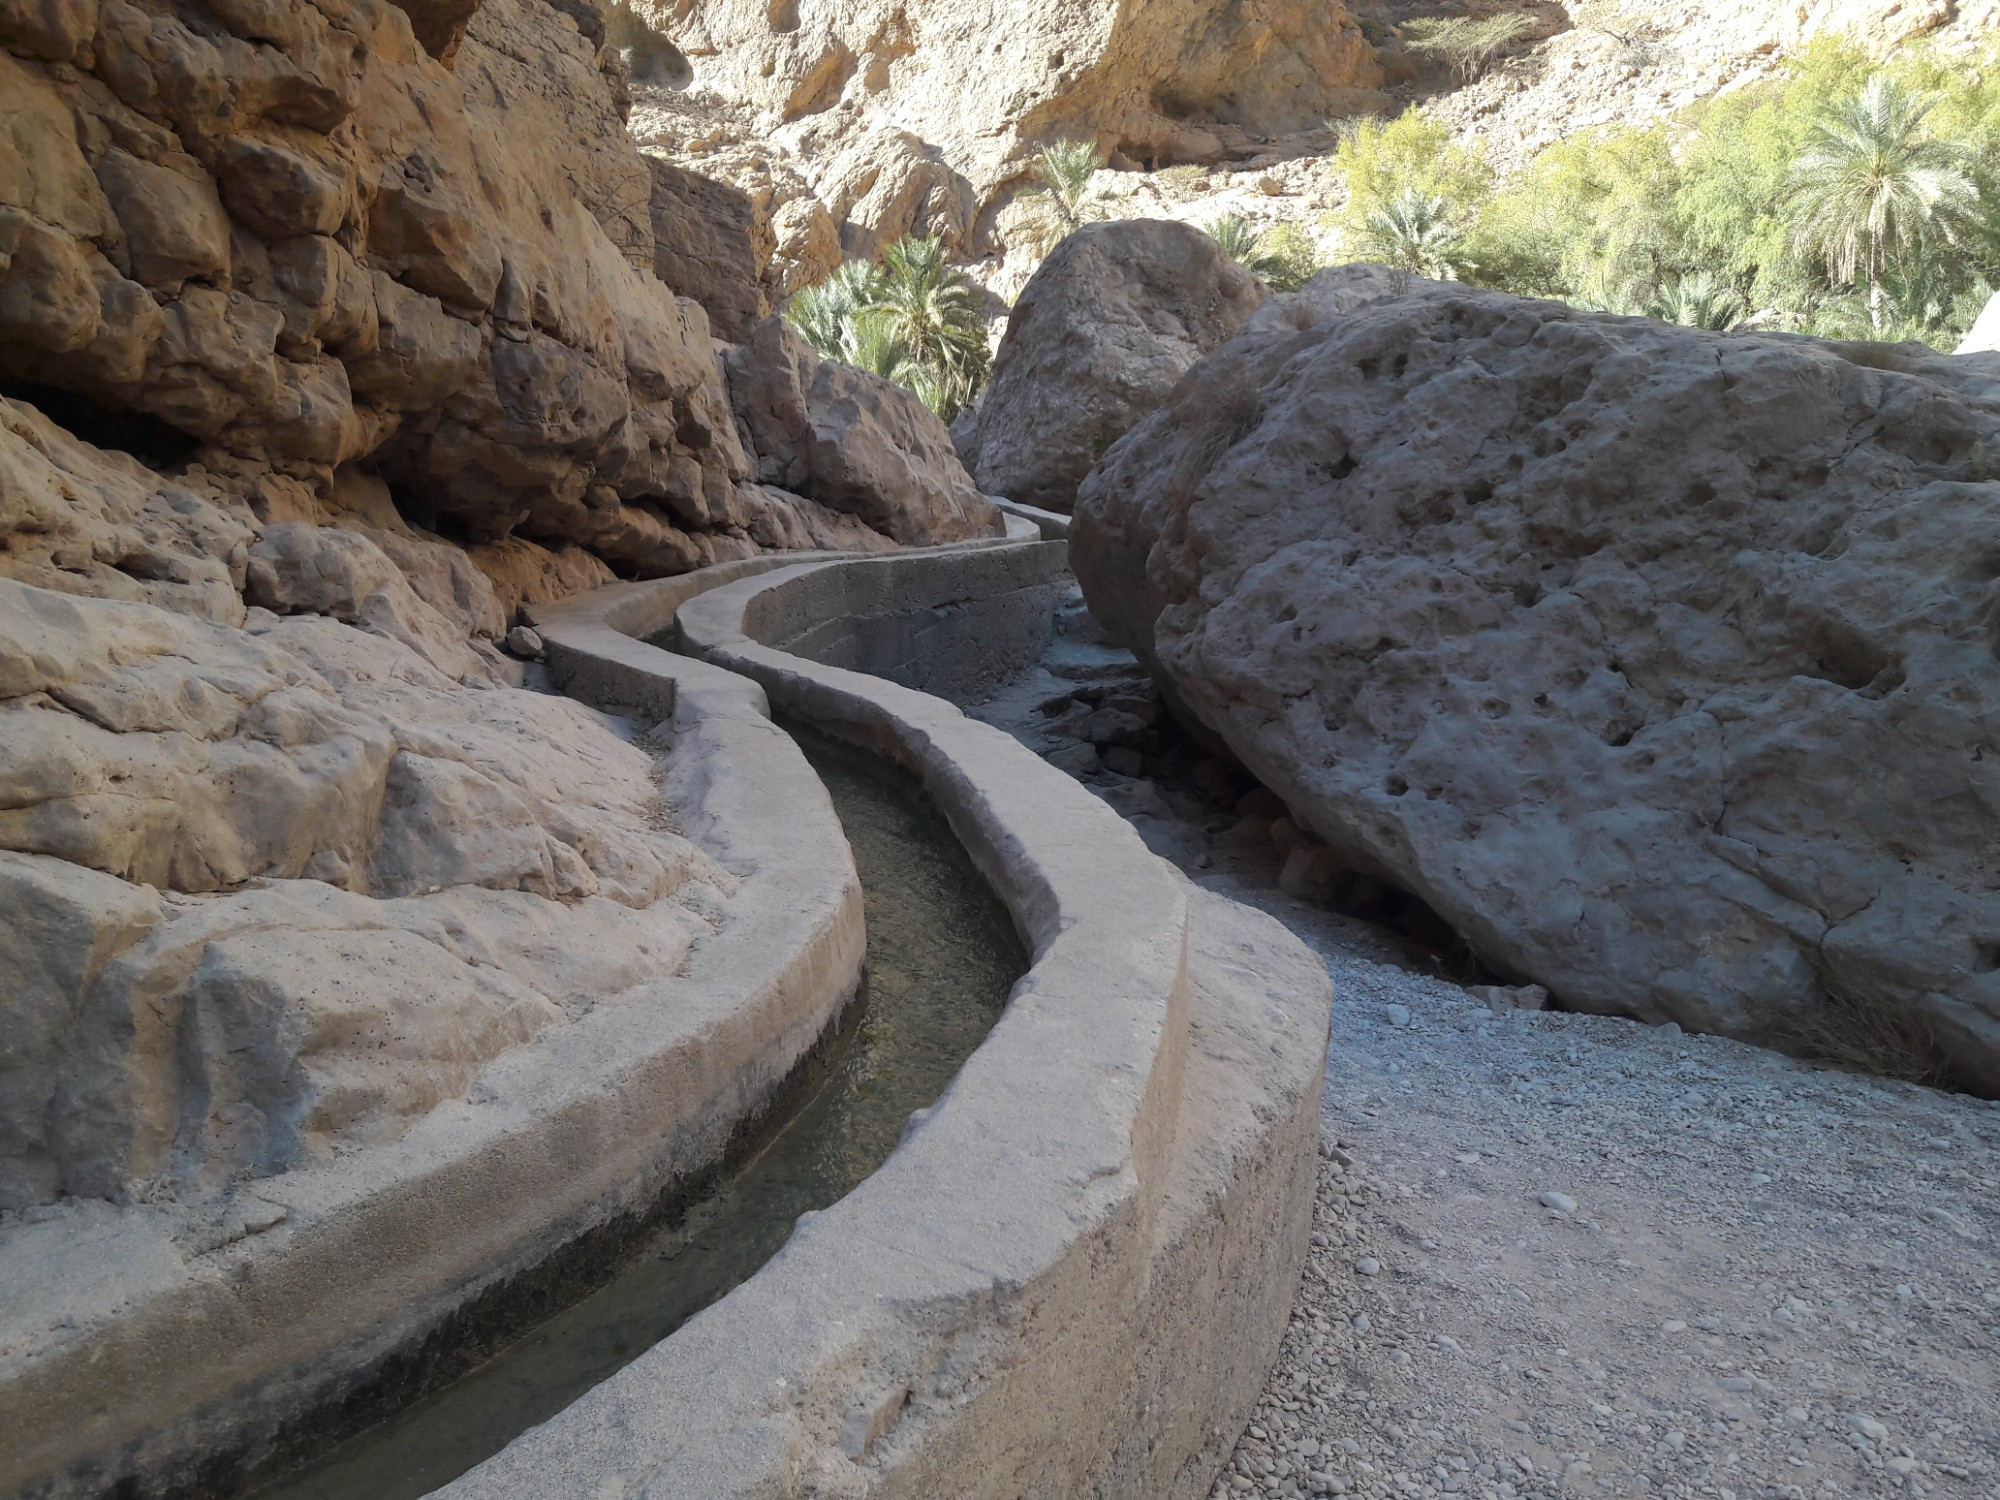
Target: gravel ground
x=1563 y=1255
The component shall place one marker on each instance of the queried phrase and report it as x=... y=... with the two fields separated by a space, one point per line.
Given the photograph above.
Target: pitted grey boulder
x=1660 y=662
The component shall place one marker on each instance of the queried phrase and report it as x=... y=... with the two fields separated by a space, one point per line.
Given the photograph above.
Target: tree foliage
x=1284 y=256
x=1842 y=199
x=1469 y=46
x=1414 y=231
x=1875 y=187
x=1064 y=170
x=910 y=318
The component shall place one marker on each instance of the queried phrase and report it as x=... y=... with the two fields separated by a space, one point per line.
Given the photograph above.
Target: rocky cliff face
x=1660 y=662
x=857 y=124
x=293 y=235
x=330 y=334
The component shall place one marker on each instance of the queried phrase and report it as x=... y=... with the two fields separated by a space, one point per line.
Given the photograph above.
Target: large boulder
x=853 y=442
x=279 y=891
x=1110 y=321
x=1660 y=662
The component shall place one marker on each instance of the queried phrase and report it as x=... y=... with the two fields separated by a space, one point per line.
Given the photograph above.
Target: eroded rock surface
x=853 y=442
x=300 y=239
x=713 y=243
x=1660 y=662
x=1112 y=319
x=290 y=887
x=862 y=123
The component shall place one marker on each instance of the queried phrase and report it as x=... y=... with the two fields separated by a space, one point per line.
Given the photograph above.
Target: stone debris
x=1544 y=1356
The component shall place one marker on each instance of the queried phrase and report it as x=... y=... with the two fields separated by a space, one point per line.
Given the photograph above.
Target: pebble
x=523 y=641
x=1868 y=1427
x=1368 y=1265
x=1399 y=1015
x=1560 y=1203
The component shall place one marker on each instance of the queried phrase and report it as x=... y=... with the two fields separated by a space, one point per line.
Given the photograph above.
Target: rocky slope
x=1654 y=660
x=848 y=128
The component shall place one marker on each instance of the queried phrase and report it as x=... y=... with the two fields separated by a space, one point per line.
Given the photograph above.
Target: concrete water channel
x=731 y=1238
x=942 y=956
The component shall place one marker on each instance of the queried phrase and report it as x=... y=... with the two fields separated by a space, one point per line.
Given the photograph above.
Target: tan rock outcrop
x=1658 y=661
x=277 y=889
x=711 y=242
x=923 y=118
x=853 y=442
x=1104 y=328
x=301 y=239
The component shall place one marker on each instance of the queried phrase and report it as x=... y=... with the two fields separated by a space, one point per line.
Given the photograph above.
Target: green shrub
x=1284 y=256
x=1638 y=219
x=1290 y=254
x=909 y=318
x=1382 y=158
x=1466 y=45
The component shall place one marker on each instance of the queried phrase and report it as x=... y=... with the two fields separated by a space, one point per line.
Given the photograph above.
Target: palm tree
x=911 y=319
x=826 y=314
x=1242 y=242
x=1697 y=300
x=1065 y=169
x=1412 y=232
x=1873 y=183
x=933 y=313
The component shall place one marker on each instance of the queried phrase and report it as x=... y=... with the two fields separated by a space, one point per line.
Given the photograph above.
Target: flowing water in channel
x=942 y=957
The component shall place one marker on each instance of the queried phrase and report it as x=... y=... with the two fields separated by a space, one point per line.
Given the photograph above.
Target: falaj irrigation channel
x=942 y=957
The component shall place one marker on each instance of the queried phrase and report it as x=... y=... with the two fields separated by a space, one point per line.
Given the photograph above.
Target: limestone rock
x=522 y=573
x=1332 y=293
x=84 y=521
x=1658 y=661
x=930 y=113
x=337 y=249
x=276 y=890
x=326 y=570
x=852 y=442
x=712 y=243
x=1112 y=319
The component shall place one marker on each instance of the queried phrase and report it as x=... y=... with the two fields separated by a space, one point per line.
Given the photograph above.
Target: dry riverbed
x=1563 y=1255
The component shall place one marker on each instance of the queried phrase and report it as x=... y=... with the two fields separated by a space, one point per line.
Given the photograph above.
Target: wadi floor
x=1759 y=1279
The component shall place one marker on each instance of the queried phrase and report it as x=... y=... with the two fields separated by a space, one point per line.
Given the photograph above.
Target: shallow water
x=942 y=958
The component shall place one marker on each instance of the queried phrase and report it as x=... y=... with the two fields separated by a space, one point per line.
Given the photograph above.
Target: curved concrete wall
x=1072 y=1274
x=130 y=1353
x=957 y=624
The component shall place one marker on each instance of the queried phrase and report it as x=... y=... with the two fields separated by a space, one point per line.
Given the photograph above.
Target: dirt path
x=1566 y=1255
